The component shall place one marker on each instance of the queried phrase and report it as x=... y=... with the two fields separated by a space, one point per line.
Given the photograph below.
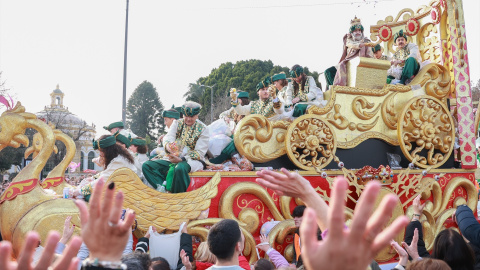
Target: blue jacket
x=469 y=226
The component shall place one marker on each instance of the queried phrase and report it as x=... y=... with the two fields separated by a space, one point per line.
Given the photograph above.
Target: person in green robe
x=186 y=144
x=302 y=92
x=405 y=61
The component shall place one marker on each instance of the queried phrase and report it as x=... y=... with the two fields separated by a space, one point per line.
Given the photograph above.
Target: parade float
x=350 y=136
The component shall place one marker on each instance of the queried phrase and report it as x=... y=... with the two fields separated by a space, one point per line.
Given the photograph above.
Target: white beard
x=358 y=37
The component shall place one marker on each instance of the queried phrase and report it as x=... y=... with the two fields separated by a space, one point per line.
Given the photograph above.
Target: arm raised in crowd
x=468 y=225
x=293 y=185
x=24 y=262
x=104 y=233
x=415 y=228
x=362 y=241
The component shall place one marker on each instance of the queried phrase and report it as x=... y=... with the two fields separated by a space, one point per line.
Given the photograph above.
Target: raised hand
x=67 y=260
x=67 y=231
x=402 y=253
x=102 y=230
x=417 y=206
x=294 y=185
x=185 y=260
x=264 y=244
x=413 y=248
x=361 y=242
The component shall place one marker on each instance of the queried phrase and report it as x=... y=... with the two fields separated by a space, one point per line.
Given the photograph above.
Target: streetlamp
x=124 y=100
x=211 y=100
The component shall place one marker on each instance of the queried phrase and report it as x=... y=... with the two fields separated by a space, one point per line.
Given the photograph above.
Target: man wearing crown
x=405 y=61
x=355 y=44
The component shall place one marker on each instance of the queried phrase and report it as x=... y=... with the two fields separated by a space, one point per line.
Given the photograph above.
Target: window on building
x=82 y=156
x=91 y=156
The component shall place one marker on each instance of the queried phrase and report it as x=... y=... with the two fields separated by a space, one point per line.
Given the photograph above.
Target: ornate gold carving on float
x=428 y=43
x=55 y=180
x=435 y=79
x=352 y=122
x=333 y=117
x=310 y=142
x=260 y=140
x=389 y=114
x=162 y=210
x=426 y=125
x=35 y=210
x=361 y=103
x=248 y=218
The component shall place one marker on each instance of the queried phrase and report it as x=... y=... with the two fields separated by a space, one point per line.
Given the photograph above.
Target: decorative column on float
x=466 y=122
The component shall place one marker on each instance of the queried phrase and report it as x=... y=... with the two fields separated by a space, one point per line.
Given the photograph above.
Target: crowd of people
x=324 y=239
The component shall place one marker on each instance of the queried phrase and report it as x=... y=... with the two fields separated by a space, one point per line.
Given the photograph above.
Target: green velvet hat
x=138 y=141
x=376 y=48
x=114 y=125
x=104 y=143
x=297 y=72
x=279 y=76
x=190 y=111
x=121 y=138
x=399 y=34
x=265 y=83
x=243 y=95
x=172 y=113
x=178 y=109
x=355 y=27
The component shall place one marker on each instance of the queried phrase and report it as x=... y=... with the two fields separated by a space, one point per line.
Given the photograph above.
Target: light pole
x=124 y=101
x=211 y=100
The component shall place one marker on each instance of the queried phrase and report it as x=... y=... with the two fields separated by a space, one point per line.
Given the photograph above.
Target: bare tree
x=221 y=103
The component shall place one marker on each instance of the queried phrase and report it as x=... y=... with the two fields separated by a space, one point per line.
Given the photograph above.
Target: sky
x=80 y=44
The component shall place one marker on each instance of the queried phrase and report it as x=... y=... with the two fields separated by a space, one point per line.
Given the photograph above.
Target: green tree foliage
x=243 y=75
x=194 y=93
x=10 y=156
x=144 y=111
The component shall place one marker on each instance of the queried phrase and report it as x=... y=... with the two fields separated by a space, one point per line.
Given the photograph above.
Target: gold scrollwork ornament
x=425 y=131
x=310 y=142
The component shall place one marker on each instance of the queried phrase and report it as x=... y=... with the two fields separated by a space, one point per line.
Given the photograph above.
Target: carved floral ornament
x=436 y=15
x=412 y=27
x=385 y=33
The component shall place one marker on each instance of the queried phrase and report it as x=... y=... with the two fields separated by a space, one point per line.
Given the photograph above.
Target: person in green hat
x=405 y=61
x=378 y=53
x=230 y=117
x=302 y=92
x=355 y=44
x=179 y=110
x=169 y=116
x=138 y=147
x=186 y=144
x=267 y=105
x=122 y=138
x=114 y=127
x=114 y=156
x=280 y=82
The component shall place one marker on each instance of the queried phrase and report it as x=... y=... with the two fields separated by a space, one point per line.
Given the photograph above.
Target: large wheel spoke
x=427 y=132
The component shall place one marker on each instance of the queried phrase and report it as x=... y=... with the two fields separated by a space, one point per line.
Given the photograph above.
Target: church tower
x=57 y=98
